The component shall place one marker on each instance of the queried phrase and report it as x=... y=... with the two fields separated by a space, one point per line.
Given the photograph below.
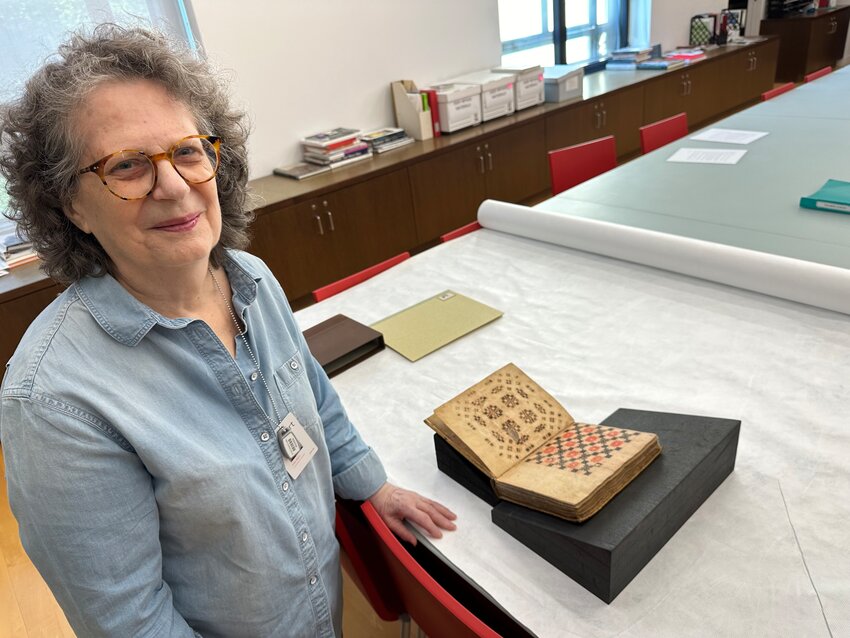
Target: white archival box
x=528 y=87
x=460 y=105
x=497 y=92
x=563 y=82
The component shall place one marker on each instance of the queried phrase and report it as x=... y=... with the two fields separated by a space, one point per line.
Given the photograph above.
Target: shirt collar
x=128 y=320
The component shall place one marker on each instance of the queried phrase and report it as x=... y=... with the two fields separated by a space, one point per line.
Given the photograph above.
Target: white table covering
x=767 y=555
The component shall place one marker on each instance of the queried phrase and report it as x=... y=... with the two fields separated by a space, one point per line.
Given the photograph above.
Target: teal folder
x=833 y=196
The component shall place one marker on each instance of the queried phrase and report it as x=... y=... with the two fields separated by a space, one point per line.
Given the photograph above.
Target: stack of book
x=386 y=139
x=660 y=64
x=628 y=58
x=686 y=55
x=15 y=250
x=336 y=147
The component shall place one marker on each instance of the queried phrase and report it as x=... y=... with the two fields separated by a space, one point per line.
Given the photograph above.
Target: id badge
x=295 y=444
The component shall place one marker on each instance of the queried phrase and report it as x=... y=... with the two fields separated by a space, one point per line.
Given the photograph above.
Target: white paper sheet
x=729 y=136
x=707 y=156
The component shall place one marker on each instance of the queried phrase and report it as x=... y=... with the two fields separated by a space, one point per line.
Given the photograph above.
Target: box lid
x=561 y=73
x=523 y=72
x=454 y=91
x=487 y=79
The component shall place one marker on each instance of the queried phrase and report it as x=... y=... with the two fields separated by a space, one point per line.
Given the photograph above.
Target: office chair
x=365 y=565
x=576 y=164
x=433 y=609
x=352 y=280
x=662 y=132
x=779 y=90
x=459 y=232
x=814 y=75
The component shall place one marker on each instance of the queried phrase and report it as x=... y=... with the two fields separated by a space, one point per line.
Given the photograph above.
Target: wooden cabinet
x=808 y=42
x=326 y=238
x=619 y=114
x=697 y=91
x=17 y=314
x=448 y=189
x=747 y=74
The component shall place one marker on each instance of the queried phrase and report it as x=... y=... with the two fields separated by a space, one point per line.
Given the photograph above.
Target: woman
x=172 y=447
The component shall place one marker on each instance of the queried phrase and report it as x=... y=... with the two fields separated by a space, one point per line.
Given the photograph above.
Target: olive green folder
x=429 y=325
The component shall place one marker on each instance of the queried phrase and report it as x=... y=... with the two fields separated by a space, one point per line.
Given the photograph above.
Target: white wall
x=671 y=19
x=300 y=66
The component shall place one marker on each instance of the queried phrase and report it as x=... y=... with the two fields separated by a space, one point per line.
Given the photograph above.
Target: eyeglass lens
x=131 y=174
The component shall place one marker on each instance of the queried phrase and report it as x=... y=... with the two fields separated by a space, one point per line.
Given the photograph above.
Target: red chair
x=662 y=132
x=459 y=232
x=366 y=566
x=814 y=75
x=433 y=609
x=352 y=280
x=779 y=90
x=576 y=164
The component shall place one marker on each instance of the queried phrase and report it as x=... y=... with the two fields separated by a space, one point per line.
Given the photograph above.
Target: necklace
x=241 y=333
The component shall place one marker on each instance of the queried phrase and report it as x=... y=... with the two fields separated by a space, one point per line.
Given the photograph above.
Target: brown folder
x=340 y=342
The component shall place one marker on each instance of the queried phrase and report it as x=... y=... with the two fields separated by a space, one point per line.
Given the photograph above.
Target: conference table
x=768 y=553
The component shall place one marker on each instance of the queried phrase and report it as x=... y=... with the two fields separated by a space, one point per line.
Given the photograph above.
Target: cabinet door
x=764 y=70
x=665 y=97
x=821 y=43
x=572 y=125
x=297 y=245
x=371 y=221
x=516 y=163
x=447 y=190
x=622 y=116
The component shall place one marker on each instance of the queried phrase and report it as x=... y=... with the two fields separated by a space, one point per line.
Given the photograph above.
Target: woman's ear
x=76 y=218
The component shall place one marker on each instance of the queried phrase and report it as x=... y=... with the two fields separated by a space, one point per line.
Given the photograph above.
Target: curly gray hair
x=40 y=155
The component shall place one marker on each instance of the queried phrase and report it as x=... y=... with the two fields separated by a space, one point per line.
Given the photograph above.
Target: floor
x=28 y=609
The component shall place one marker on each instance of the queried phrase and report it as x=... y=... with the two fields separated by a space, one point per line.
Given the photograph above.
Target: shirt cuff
x=362 y=479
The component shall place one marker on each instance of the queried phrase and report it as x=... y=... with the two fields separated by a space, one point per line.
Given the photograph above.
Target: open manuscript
x=534 y=452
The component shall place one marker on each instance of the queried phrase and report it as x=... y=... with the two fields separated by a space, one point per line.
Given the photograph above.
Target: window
x=32 y=29
x=592 y=29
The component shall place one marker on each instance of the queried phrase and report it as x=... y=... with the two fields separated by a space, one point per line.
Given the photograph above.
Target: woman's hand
x=395 y=504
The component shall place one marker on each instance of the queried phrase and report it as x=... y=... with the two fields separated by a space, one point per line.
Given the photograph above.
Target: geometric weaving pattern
x=582 y=447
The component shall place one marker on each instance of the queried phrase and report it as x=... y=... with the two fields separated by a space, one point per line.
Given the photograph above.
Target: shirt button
x=285 y=486
x=293 y=364
x=314 y=580
x=254 y=376
x=264 y=437
x=303 y=537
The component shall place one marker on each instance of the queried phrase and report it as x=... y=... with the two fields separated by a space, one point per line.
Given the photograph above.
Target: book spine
x=435 y=111
x=820 y=204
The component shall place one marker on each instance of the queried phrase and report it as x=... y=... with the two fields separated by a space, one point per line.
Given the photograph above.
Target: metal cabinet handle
x=319 y=221
x=684 y=85
x=755 y=62
x=481 y=159
x=690 y=87
x=331 y=221
x=598 y=119
x=490 y=159
x=604 y=117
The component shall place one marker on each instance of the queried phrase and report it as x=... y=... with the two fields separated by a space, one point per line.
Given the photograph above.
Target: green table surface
x=752 y=204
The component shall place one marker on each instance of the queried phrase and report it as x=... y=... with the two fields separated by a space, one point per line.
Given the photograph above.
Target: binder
x=341 y=342
x=833 y=196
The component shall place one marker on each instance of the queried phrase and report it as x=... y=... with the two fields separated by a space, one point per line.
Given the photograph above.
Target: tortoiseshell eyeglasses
x=131 y=174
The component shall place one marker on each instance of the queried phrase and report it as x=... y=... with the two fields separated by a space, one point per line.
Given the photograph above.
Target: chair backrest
x=330 y=290
x=436 y=611
x=368 y=569
x=779 y=90
x=459 y=232
x=814 y=75
x=576 y=164
x=657 y=134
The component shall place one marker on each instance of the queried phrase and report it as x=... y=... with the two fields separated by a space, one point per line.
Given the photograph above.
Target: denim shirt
x=145 y=474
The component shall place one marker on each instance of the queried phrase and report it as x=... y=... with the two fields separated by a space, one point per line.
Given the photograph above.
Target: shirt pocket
x=295 y=391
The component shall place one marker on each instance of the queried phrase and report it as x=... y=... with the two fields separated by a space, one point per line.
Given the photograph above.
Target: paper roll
x=794 y=279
